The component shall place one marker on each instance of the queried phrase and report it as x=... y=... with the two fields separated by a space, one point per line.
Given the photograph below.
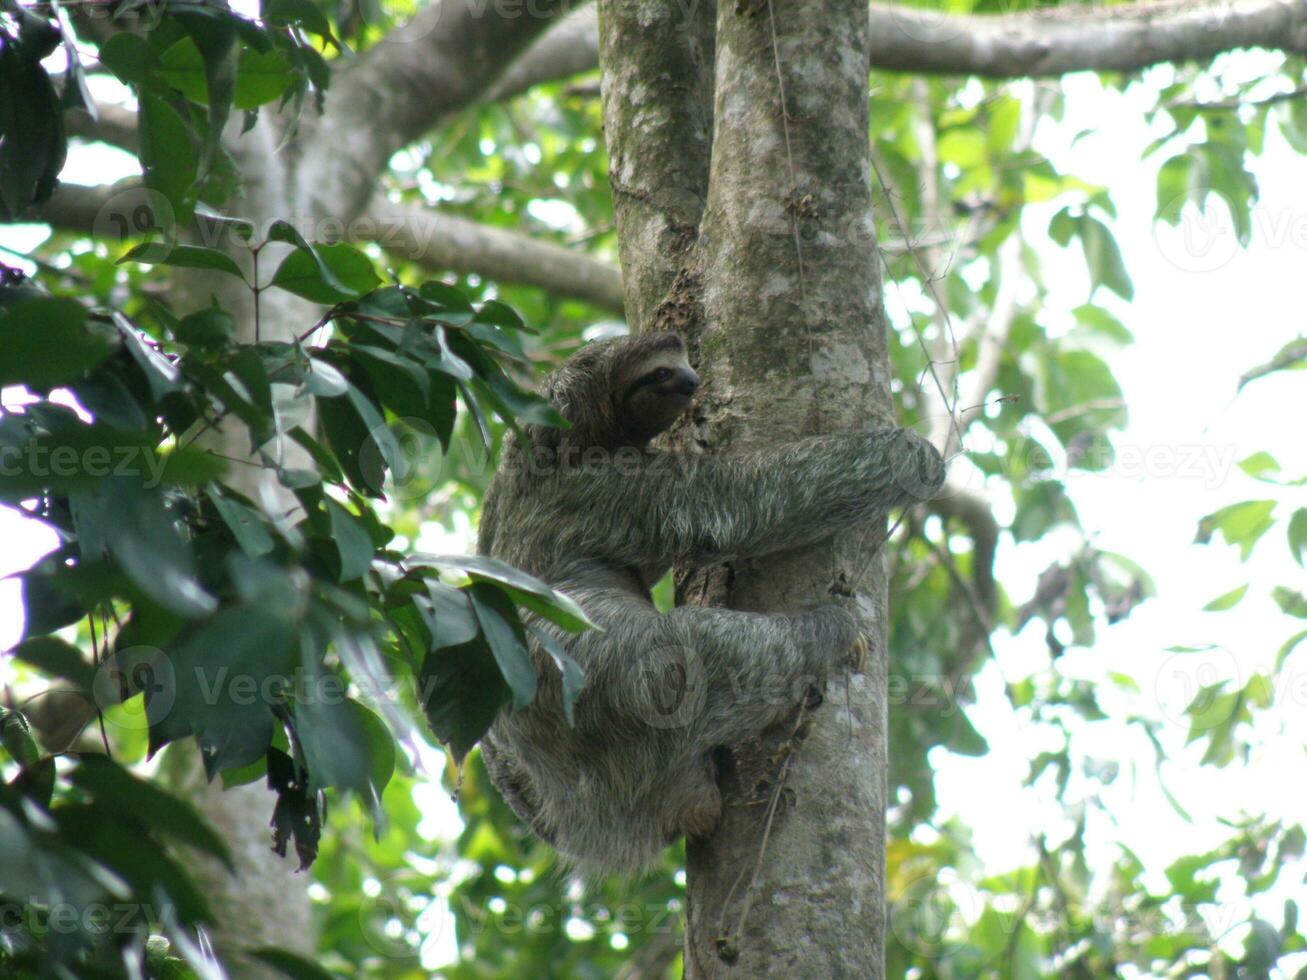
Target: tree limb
x=567 y=49
x=115 y=127
x=1044 y=43
x=77 y=207
x=441 y=61
x=428 y=237
x=1029 y=44
x=436 y=240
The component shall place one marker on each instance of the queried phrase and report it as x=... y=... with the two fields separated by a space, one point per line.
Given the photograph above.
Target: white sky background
x=1195 y=333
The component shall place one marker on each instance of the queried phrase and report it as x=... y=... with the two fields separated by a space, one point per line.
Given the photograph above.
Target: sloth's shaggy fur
x=596 y=513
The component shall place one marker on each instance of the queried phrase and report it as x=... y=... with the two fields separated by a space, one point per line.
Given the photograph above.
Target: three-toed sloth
x=597 y=514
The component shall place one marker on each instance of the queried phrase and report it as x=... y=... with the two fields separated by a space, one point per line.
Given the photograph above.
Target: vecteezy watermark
x=1201 y=233
x=70 y=918
x=41 y=460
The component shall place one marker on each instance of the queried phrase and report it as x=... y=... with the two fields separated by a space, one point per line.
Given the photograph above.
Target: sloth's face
x=656 y=387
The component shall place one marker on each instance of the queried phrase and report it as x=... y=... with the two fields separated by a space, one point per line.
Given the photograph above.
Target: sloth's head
x=623 y=391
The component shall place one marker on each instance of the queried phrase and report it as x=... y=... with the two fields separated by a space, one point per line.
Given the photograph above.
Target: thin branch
x=974 y=512
x=1288 y=356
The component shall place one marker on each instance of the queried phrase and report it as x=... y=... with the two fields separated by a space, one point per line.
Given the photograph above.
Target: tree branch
x=430 y=238
x=565 y=50
x=657 y=99
x=78 y=207
x=441 y=61
x=1043 y=43
x=439 y=241
x=115 y=127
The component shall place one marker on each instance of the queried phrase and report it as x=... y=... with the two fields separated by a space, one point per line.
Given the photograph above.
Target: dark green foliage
x=258 y=634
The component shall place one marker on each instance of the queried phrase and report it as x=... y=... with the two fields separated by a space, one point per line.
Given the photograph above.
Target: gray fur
x=596 y=513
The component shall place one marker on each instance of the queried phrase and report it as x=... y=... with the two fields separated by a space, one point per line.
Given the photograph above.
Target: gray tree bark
x=779 y=292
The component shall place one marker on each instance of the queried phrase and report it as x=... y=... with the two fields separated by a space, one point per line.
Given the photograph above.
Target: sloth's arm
x=719 y=675
x=683 y=509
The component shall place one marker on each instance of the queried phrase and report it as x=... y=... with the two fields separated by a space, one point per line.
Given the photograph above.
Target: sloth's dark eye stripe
x=649 y=379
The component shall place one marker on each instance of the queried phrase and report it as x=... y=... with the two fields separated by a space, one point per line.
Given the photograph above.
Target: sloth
x=598 y=514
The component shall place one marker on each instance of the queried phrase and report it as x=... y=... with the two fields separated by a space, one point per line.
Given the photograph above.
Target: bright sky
x=1196 y=330
x=1199 y=321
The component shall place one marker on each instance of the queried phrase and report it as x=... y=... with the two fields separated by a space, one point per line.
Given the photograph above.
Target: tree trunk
x=779 y=292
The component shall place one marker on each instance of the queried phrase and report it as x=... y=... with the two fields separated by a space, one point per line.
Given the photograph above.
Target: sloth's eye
x=662 y=374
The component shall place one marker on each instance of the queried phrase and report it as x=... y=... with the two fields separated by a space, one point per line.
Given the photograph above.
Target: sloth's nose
x=686 y=381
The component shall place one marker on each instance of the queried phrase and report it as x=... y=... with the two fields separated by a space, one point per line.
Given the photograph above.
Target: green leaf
x=450 y=618
x=299 y=12
x=1228 y=600
x=326 y=273
x=183 y=256
x=360 y=439
x=167 y=153
x=1259 y=464
x=215 y=37
x=1062 y=227
x=352 y=542
x=572 y=676
x=1041 y=506
x=1241 y=524
x=507 y=640
x=502 y=315
x=182 y=66
x=130 y=57
x=211 y=329
x=523 y=588
x=263 y=76
x=246 y=525
x=34 y=146
x=462 y=691
x=1106 y=267
x=1288 y=647
x=320 y=455
x=293 y=966
x=1290 y=601
x=109 y=400
x=141 y=535
x=16 y=739
x=1101 y=323
x=155 y=808
x=47 y=341
x=47 y=606
x=1297 y=533
x=55 y=658
x=324 y=379
x=345 y=745
x=161 y=374
x=1176 y=180
x=226 y=677
x=401 y=383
